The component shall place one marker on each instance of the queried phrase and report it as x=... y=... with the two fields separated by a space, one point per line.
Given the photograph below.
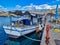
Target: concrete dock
x=54 y=38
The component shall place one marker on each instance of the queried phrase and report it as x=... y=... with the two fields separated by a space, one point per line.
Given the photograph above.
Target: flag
x=57 y=12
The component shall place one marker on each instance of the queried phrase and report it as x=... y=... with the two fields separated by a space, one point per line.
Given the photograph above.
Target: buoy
x=37 y=30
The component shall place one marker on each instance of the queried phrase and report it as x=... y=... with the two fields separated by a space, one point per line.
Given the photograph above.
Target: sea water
x=3 y=35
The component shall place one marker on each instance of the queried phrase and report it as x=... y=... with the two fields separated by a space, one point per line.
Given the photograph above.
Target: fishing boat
x=20 y=26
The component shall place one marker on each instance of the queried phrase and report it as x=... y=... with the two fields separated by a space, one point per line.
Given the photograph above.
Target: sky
x=11 y=4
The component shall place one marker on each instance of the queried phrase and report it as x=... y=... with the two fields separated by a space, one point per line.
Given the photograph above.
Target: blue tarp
x=27 y=22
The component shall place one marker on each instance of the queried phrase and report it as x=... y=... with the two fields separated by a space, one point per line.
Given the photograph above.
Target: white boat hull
x=18 y=31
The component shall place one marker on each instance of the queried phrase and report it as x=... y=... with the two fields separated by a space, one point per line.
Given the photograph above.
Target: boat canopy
x=19 y=19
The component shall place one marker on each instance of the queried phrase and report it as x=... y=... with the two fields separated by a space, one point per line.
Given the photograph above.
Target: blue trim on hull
x=20 y=31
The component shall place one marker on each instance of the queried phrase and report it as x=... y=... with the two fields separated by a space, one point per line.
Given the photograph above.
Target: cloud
x=3 y=8
x=29 y=7
x=18 y=6
x=43 y=6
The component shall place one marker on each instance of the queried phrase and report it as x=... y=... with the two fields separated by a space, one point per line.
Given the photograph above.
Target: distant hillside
x=36 y=12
